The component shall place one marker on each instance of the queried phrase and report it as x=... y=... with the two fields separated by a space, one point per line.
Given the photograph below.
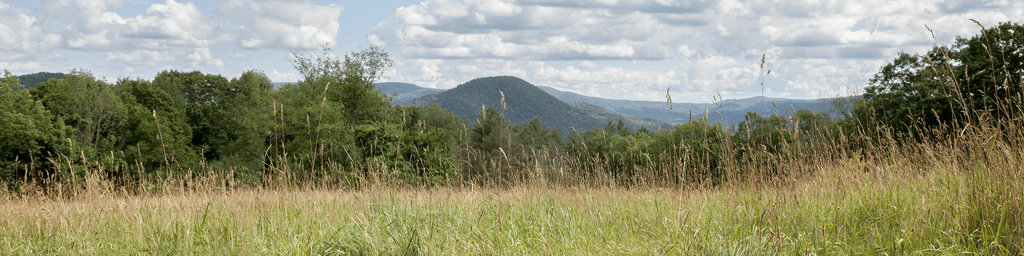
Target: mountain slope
x=404 y=92
x=608 y=115
x=34 y=79
x=523 y=101
x=729 y=112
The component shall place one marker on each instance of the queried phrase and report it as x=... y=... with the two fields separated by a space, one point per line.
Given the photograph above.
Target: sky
x=698 y=50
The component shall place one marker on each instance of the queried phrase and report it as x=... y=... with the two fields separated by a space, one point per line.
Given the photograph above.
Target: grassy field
x=898 y=205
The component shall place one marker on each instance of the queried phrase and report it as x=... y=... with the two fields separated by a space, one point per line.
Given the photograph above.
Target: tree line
x=335 y=125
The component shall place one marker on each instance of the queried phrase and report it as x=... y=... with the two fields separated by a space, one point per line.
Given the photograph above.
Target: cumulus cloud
x=609 y=82
x=142 y=57
x=827 y=77
x=715 y=45
x=589 y=65
x=202 y=57
x=284 y=76
x=91 y=25
x=529 y=30
x=22 y=36
x=285 y=25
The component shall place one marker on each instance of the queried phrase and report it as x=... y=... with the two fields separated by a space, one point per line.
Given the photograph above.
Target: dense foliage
x=949 y=84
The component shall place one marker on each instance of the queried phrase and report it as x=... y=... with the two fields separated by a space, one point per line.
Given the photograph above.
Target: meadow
x=928 y=161
x=960 y=197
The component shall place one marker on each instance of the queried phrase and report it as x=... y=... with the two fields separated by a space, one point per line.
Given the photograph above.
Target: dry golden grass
x=907 y=204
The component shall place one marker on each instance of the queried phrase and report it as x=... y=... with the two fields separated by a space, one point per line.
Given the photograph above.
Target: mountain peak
x=523 y=101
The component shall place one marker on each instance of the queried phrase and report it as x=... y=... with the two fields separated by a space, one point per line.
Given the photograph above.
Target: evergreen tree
x=490 y=132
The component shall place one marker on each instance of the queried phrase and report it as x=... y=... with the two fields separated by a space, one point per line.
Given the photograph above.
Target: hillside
x=523 y=101
x=604 y=114
x=34 y=79
x=730 y=112
x=404 y=92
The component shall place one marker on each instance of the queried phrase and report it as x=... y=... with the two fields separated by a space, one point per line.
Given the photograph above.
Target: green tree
x=535 y=134
x=202 y=99
x=975 y=76
x=905 y=91
x=768 y=134
x=621 y=129
x=697 y=144
x=990 y=69
x=643 y=130
x=353 y=77
x=417 y=153
x=90 y=106
x=28 y=132
x=435 y=118
x=142 y=141
x=33 y=80
x=490 y=132
x=229 y=119
x=815 y=128
x=328 y=116
x=248 y=111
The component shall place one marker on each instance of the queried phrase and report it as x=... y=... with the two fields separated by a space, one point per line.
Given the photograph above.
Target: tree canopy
x=974 y=76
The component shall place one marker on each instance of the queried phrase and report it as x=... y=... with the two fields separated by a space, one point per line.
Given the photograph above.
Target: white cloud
x=828 y=78
x=818 y=46
x=168 y=34
x=526 y=30
x=427 y=73
x=685 y=51
x=142 y=57
x=374 y=40
x=201 y=57
x=589 y=65
x=278 y=76
x=283 y=24
x=497 y=7
x=22 y=38
x=608 y=82
x=91 y=25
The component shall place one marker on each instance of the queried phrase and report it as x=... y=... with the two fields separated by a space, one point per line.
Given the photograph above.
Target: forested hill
x=608 y=115
x=729 y=112
x=523 y=101
x=403 y=92
x=34 y=79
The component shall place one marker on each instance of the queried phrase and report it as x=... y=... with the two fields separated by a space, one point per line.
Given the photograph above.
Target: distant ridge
x=33 y=80
x=404 y=92
x=278 y=85
x=729 y=112
x=523 y=101
x=608 y=115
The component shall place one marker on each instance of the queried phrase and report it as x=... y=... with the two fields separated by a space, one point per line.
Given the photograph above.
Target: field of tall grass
x=937 y=196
